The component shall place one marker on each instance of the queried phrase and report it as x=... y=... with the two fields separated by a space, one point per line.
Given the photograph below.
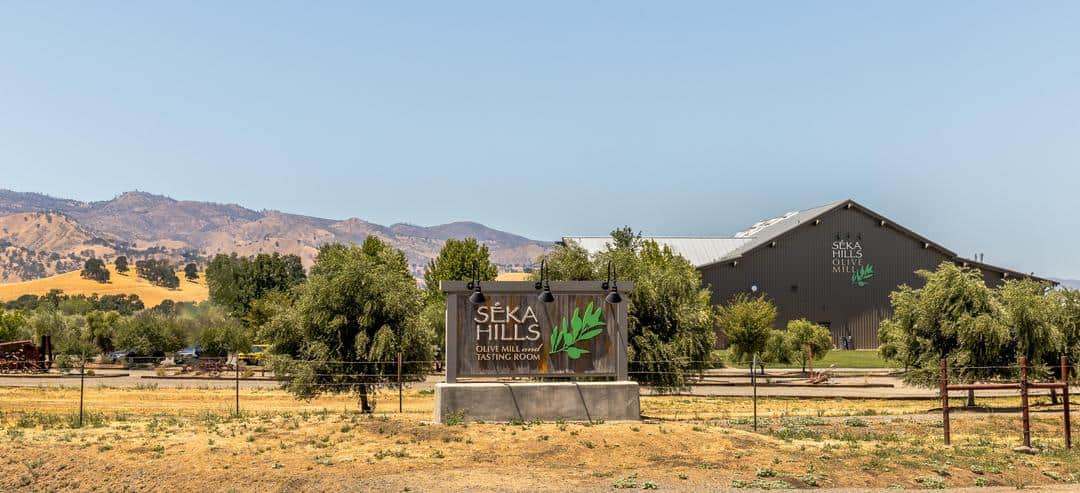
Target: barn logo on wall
x=847 y=258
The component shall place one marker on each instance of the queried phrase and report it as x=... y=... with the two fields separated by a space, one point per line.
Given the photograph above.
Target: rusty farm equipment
x=25 y=357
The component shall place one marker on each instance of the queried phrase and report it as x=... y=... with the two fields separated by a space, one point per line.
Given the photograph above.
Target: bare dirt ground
x=187 y=439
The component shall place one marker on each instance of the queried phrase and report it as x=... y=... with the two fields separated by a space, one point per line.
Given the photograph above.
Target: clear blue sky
x=960 y=120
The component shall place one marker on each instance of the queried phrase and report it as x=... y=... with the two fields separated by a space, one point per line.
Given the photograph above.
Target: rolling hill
x=42 y=236
x=73 y=284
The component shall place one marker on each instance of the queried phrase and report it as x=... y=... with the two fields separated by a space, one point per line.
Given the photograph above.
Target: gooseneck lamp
x=610 y=286
x=478 y=296
x=543 y=286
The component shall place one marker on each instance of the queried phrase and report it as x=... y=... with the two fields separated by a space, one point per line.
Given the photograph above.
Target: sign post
x=576 y=345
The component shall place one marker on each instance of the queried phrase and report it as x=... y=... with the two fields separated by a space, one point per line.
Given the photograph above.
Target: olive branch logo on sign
x=581 y=328
x=862 y=276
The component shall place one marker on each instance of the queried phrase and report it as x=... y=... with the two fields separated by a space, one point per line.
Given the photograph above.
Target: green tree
x=150 y=333
x=625 y=237
x=1032 y=319
x=220 y=333
x=191 y=271
x=357 y=310
x=101 y=327
x=748 y=323
x=456 y=262
x=567 y=262
x=236 y=282
x=777 y=349
x=805 y=339
x=1030 y=316
x=94 y=269
x=12 y=326
x=1067 y=320
x=266 y=307
x=954 y=316
x=121 y=264
x=67 y=332
x=75 y=305
x=158 y=271
x=671 y=325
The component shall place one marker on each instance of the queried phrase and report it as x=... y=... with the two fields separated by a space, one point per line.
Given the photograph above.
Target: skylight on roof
x=758 y=226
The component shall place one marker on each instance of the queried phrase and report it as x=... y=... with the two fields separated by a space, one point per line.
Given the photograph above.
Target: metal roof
x=698 y=250
x=703 y=251
x=768 y=230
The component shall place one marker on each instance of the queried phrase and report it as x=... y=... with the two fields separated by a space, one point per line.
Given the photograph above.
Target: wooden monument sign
x=512 y=333
x=571 y=342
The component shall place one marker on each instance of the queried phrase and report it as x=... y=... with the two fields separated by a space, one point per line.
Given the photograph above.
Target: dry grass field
x=188 y=440
x=72 y=283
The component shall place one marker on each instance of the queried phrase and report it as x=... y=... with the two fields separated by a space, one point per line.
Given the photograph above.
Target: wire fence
x=248 y=382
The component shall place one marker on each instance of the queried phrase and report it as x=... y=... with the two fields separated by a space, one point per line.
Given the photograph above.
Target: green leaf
x=575 y=353
x=582 y=328
x=592 y=317
x=862 y=276
x=590 y=334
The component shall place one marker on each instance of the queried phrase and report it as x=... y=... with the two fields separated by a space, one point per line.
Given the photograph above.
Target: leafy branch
x=581 y=328
x=861 y=277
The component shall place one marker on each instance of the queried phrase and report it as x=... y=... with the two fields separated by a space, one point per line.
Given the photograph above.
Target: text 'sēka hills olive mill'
x=834 y=265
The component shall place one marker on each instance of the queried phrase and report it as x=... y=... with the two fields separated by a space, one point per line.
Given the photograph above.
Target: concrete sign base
x=544 y=401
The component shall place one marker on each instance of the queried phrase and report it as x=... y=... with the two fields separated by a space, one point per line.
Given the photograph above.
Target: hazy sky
x=960 y=120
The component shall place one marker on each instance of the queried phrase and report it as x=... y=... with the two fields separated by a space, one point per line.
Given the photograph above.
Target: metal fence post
x=753 y=382
x=1065 y=400
x=945 y=400
x=82 y=388
x=1024 y=400
x=237 y=373
x=400 y=399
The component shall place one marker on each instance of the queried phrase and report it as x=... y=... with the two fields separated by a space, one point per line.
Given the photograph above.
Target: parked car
x=257 y=355
x=188 y=354
x=119 y=356
x=193 y=353
x=131 y=357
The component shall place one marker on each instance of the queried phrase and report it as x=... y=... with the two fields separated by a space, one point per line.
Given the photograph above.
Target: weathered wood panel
x=510 y=333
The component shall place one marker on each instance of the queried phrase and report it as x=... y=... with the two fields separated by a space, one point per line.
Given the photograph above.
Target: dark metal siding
x=797 y=274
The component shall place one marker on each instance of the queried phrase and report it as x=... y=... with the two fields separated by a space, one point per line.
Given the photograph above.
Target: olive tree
x=1067 y=320
x=748 y=323
x=805 y=340
x=357 y=310
x=953 y=316
x=1032 y=318
x=568 y=262
x=458 y=260
x=12 y=325
x=671 y=325
x=150 y=333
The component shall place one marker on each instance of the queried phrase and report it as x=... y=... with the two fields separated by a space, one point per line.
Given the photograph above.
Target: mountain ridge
x=142 y=224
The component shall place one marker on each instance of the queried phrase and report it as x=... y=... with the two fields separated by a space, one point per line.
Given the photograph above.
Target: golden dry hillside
x=72 y=283
x=513 y=276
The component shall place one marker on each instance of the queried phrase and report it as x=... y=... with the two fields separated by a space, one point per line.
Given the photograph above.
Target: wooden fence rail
x=1023 y=386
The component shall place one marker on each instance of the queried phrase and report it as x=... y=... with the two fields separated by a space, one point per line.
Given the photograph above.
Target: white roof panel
x=699 y=251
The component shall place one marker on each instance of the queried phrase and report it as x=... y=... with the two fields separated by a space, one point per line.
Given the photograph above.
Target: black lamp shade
x=546 y=295
x=613 y=297
x=477 y=297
